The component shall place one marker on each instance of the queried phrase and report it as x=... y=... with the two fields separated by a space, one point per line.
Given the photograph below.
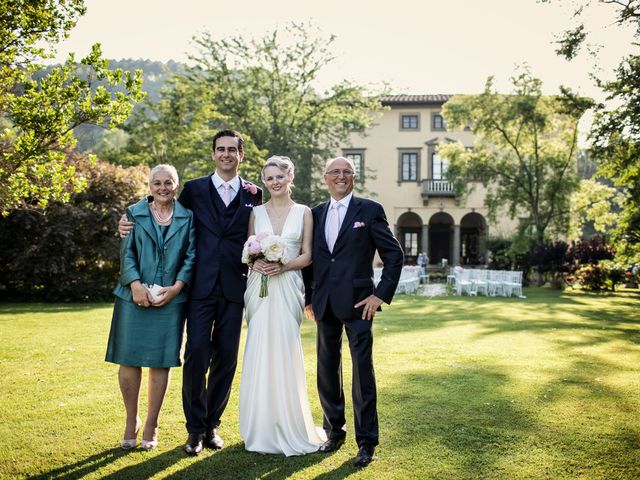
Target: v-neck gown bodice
x=275 y=416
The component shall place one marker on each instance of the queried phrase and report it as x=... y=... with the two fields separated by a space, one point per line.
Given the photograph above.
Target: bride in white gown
x=275 y=416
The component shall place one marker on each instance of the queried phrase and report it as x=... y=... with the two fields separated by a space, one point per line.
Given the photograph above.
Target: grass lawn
x=468 y=388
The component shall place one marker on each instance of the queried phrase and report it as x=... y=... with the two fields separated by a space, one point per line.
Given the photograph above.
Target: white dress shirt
x=234 y=183
x=342 y=211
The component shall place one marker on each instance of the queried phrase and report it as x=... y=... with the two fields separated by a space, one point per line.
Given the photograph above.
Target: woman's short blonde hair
x=283 y=163
x=164 y=167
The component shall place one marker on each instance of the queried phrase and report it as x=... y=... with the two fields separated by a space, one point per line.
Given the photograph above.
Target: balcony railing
x=437 y=188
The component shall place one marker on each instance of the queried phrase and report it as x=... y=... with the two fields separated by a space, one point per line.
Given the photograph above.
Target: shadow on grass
x=232 y=462
x=459 y=423
x=235 y=462
x=82 y=468
x=544 y=310
x=29 y=308
x=468 y=422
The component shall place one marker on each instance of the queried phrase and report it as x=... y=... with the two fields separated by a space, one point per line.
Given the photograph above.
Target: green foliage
x=499 y=250
x=41 y=113
x=69 y=251
x=570 y=43
x=592 y=277
x=176 y=130
x=616 y=144
x=615 y=132
x=265 y=89
x=525 y=154
x=28 y=26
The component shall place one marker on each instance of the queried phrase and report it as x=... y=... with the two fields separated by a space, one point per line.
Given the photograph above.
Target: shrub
x=70 y=252
x=615 y=273
x=499 y=253
x=591 y=251
x=592 y=277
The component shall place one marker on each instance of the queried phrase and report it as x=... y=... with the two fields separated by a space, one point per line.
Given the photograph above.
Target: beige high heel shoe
x=148 y=445
x=129 y=443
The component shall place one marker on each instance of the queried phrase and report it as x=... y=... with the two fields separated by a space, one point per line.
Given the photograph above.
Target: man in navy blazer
x=214 y=311
x=221 y=205
x=347 y=232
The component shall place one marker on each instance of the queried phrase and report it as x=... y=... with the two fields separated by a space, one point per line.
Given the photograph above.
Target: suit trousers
x=213 y=340
x=330 y=388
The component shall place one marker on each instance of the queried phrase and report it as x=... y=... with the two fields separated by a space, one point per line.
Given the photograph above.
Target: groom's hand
x=371 y=305
x=124 y=226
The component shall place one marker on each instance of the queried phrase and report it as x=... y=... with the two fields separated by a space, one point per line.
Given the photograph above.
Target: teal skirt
x=146 y=337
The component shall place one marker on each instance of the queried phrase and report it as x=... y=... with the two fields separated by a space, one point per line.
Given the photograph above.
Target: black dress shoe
x=193 y=446
x=331 y=445
x=213 y=440
x=365 y=455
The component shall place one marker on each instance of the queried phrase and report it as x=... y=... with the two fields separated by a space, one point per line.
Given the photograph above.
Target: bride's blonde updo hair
x=283 y=163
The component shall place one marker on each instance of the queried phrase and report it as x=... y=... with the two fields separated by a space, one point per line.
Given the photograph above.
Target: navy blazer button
x=333 y=259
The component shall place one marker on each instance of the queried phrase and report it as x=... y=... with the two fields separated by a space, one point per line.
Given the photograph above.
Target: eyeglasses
x=336 y=173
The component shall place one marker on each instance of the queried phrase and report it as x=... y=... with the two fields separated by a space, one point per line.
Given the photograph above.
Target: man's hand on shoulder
x=124 y=226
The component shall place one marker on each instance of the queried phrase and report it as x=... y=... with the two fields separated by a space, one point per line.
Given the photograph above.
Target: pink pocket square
x=358 y=224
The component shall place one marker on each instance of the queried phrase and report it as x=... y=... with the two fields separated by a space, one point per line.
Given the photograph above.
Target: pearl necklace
x=159 y=220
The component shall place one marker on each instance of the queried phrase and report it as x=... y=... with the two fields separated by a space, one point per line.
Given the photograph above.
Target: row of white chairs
x=409 y=279
x=486 y=282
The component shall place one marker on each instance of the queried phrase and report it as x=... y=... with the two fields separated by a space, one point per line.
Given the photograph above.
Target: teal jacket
x=140 y=252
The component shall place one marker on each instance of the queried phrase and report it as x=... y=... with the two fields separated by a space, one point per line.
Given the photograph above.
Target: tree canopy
x=264 y=88
x=525 y=153
x=38 y=113
x=615 y=132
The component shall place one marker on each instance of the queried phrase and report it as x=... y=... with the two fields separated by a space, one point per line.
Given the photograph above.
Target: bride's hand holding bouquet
x=266 y=254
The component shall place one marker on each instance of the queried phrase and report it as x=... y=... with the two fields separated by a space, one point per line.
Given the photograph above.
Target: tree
x=39 y=114
x=595 y=203
x=265 y=89
x=615 y=132
x=178 y=129
x=525 y=154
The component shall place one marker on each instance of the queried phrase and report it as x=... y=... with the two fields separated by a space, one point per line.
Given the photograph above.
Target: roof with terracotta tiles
x=414 y=99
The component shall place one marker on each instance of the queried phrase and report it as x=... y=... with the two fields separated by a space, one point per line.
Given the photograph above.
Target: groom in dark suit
x=221 y=204
x=347 y=232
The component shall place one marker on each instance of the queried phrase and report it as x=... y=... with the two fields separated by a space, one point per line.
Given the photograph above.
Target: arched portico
x=441 y=238
x=410 y=236
x=473 y=236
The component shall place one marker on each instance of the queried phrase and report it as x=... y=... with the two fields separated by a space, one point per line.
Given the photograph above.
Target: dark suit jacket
x=345 y=276
x=219 y=248
x=141 y=252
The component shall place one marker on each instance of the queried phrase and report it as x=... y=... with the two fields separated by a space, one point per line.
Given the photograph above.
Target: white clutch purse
x=154 y=289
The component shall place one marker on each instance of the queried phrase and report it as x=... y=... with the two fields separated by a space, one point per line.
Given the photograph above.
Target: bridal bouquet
x=268 y=247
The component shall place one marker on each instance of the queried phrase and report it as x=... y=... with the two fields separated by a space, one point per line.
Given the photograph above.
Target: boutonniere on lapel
x=358 y=224
x=250 y=187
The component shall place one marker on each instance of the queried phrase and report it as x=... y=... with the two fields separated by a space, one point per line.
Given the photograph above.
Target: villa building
x=397 y=164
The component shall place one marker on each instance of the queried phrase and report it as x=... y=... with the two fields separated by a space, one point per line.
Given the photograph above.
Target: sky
x=415 y=46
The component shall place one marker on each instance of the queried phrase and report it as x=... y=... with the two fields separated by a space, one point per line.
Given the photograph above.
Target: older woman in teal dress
x=156 y=267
